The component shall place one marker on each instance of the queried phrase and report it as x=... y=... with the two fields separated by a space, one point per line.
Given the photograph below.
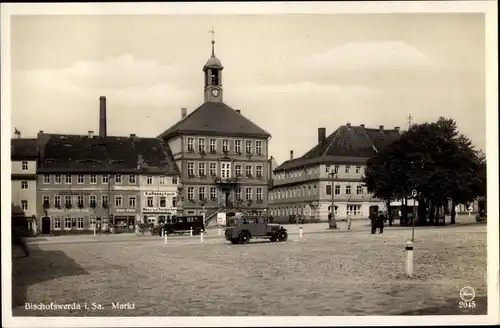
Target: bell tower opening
x=213 y=76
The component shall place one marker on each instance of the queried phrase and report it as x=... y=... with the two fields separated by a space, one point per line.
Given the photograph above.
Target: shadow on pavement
x=40 y=266
x=452 y=308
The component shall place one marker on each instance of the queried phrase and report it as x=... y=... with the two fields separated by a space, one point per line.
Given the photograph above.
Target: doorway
x=45 y=225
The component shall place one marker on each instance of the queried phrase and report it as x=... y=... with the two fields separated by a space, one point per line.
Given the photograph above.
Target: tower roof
x=213 y=61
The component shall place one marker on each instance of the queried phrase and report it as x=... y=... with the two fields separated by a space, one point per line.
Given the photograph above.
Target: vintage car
x=481 y=217
x=240 y=230
x=183 y=224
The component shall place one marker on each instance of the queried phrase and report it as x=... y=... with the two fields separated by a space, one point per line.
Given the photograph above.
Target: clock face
x=215 y=92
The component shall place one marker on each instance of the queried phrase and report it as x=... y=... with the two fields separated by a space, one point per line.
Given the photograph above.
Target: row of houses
x=213 y=159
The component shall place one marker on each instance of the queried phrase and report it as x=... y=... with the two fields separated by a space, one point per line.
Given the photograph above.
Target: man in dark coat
x=373 y=221
x=381 y=219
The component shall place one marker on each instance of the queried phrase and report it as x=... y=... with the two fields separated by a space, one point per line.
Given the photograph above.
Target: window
x=359 y=190
x=336 y=169
x=46 y=201
x=67 y=223
x=57 y=223
x=163 y=180
x=213 y=147
x=174 y=180
x=132 y=201
x=237 y=170
x=225 y=145
x=201 y=145
x=92 y=200
x=328 y=189
x=225 y=170
x=80 y=179
x=358 y=169
x=213 y=193
x=67 y=201
x=104 y=200
x=24 y=166
x=190 y=169
x=24 y=184
x=57 y=201
x=212 y=169
x=237 y=146
x=248 y=193
x=248 y=170
x=258 y=147
x=93 y=179
x=118 y=178
x=92 y=223
x=190 y=193
x=105 y=178
x=259 y=194
x=337 y=190
x=67 y=179
x=46 y=179
x=248 y=146
x=347 y=190
x=58 y=179
x=24 y=205
x=354 y=210
x=80 y=201
x=149 y=180
x=163 y=201
x=131 y=179
x=191 y=145
x=79 y=223
x=118 y=201
x=238 y=193
x=201 y=169
x=327 y=168
x=347 y=169
x=201 y=193
x=258 y=171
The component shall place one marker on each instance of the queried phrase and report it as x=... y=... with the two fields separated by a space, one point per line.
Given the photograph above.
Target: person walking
x=373 y=221
x=381 y=219
x=348 y=222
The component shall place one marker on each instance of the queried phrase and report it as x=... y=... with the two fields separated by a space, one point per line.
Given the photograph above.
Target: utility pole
x=333 y=222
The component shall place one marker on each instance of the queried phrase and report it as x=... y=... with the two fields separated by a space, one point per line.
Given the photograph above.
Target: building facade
x=304 y=185
x=24 y=156
x=222 y=155
x=158 y=197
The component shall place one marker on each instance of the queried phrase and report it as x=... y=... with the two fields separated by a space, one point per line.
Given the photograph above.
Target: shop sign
x=157 y=209
x=160 y=193
x=125 y=210
x=71 y=210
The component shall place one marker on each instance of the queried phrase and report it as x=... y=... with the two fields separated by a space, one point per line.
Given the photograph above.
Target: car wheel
x=273 y=238
x=244 y=237
x=197 y=231
x=234 y=240
x=282 y=236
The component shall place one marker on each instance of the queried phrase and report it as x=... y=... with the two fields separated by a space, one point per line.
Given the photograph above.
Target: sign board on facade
x=160 y=193
x=221 y=218
x=414 y=193
x=69 y=193
x=157 y=209
x=71 y=210
x=125 y=210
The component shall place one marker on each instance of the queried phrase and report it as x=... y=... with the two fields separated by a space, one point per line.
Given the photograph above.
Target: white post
x=191 y=231
x=300 y=231
x=94 y=230
x=162 y=232
x=409 y=259
x=166 y=238
x=220 y=231
x=201 y=237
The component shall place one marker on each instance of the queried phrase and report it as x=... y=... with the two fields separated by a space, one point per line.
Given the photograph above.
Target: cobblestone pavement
x=328 y=273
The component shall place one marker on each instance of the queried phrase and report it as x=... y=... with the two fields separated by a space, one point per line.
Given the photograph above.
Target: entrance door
x=45 y=225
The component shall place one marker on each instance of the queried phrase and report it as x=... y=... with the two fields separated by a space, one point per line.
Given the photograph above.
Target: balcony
x=230 y=180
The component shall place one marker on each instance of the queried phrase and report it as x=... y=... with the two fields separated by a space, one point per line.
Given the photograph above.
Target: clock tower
x=213 y=76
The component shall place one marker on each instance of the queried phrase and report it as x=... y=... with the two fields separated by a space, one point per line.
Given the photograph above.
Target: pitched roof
x=77 y=153
x=213 y=118
x=23 y=148
x=347 y=144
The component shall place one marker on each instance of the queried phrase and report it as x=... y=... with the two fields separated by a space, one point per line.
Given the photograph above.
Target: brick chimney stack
x=291 y=154
x=321 y=134
x=102 y=117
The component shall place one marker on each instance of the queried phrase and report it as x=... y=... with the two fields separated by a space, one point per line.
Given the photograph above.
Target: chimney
x=184 y=112
x=362 y=125
x=271 y=157
x=102 y=117
x=291 y=154
x=397 y=129
x=321 y=134
x=381 y=128
x=40 y=133
x=18 y=134
x=132 y=135
x=238 y=111
x=91 y=134
x=348 y=125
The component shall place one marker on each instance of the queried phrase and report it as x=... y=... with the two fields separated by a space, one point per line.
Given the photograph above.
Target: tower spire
x=213 y=40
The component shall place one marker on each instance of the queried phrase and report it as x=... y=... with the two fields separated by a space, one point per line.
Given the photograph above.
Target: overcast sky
x=290 y=74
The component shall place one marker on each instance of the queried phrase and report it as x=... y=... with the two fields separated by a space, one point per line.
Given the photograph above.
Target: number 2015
x=467 y=304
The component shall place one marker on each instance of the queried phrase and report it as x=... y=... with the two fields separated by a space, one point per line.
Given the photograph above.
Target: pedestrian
x=381 y=219
x=373 y=221
x=271 y=219
x=349 y=222
x=329 y=217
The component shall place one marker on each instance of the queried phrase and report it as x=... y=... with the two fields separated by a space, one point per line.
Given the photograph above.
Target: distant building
x=24 y=155
x=222 y=155
x=85 y=179
x=304 y=185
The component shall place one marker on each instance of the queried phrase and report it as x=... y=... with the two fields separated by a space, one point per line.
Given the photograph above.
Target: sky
x=290 y=74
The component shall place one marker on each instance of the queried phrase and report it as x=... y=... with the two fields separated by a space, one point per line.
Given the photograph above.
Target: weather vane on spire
x=212 y=31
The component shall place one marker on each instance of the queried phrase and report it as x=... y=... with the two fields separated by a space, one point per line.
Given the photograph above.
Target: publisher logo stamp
x=467 y=295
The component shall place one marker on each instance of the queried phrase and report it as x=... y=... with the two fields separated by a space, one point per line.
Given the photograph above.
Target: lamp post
x=333 y=222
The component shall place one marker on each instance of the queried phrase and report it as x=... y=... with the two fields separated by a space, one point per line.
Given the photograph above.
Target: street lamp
x=333 y=222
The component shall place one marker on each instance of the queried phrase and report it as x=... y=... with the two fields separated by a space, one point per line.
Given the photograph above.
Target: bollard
x=162 y=232
x=300 y=231
x=94 y=231
x=166 y=238
x=201 y=237
x=191 y=231
x=409 y=259
x=219 y=231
